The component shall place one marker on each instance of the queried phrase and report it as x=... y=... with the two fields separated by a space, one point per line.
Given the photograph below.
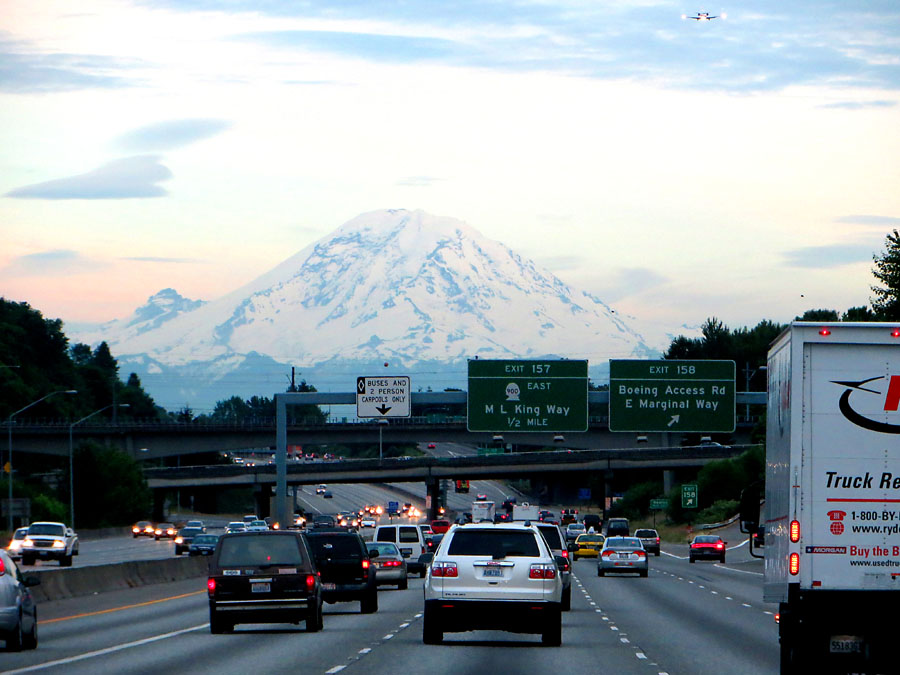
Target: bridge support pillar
x=668 y=480
x=159 y=506
x=262 y=498
x=433 y=499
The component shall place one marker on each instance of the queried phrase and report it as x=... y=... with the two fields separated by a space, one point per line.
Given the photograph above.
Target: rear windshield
x=409 y=535
x=623 y=542
x=37 y=528
x=589 y=539
x=647 y=534
x=259 y=550
x=206 y=539
x=551 y=534
x=498 y=543
x=706 y=539
x=384 y=548
x=335 y=547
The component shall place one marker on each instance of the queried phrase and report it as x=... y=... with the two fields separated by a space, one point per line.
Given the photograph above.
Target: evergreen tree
x=886 y=303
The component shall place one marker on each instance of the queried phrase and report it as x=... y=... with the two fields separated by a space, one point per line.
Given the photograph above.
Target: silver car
x=18 y=616
x=390 y=565
x=622 y=555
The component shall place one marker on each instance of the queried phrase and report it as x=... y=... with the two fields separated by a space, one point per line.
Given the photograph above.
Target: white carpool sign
x=384 y=396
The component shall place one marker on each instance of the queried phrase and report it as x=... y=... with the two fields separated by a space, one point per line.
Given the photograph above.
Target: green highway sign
x=689 y=496
x=659 y=504
x=540 y=395
x=681 y=396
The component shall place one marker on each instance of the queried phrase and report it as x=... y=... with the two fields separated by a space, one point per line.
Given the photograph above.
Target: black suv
x=263 y=577
x=347 y=573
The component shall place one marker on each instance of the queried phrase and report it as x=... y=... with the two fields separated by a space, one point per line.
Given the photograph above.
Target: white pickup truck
x=49 y=541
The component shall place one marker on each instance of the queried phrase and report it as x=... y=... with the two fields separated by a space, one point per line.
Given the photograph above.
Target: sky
x=746 y=167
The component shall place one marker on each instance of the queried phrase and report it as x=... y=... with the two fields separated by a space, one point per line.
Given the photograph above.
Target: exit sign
x=531 y=396
x=680 y=396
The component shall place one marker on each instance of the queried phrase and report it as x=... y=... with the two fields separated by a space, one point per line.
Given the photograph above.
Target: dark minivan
x=617 y=527
x=263 y=577
x=347 y=573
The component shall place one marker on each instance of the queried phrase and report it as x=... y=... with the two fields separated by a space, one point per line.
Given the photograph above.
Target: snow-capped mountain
x=395 y=286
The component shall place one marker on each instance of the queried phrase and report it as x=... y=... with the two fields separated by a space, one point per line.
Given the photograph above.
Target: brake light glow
x=719 y=544
x=211 y=585
x=641 y=554
x=895 y=332
x=2 y=567
x=310 y=581
x=565 y=553
x=391 y=563
x=795 y=531
x=795 y=564
x=444 y=569
x=825 y=332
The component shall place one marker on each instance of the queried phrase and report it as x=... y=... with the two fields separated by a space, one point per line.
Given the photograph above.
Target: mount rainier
x=418 y=293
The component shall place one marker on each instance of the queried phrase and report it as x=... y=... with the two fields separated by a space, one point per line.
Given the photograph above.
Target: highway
x=690 y=619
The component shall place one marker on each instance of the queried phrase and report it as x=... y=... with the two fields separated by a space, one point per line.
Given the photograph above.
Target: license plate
x=845 y=644
x=260 y=588
x=329 y=587
x=493 y=572
x=406 y=552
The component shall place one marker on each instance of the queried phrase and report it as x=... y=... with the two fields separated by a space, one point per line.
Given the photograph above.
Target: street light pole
x=9 y=421
x=72 y=453
x=381 y=424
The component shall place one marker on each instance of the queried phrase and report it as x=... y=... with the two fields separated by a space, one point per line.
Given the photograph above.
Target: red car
x=707 y=546
x=431 y=446
x=440 y=526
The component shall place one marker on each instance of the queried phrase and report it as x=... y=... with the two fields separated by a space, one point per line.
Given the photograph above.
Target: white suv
x=493 y=577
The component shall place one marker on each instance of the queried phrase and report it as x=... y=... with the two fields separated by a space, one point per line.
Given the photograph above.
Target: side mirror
x=562 y=563
x=749 y=512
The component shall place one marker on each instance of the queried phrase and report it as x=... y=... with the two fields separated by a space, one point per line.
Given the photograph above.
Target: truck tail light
x=310 y=581
x=211 y=586
x=895 y=333
x=795 y=531
x=542 y=571
x=794 y=564
x=444 y=569
x=824 y=332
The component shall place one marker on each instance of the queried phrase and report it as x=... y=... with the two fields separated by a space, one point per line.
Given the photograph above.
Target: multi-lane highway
x=691 y=619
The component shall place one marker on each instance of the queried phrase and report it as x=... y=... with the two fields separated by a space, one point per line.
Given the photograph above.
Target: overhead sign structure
x=681 y=396
x=689 y=496
x=540 y=395
x=384 y=396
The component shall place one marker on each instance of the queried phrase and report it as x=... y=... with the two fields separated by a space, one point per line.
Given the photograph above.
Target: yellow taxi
x=587 y=546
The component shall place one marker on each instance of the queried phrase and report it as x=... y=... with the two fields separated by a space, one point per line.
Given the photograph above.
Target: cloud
x=418 y=181
x=54 y=263
x=152 y=259
x=860 y=105
x=632 y=281
x=170 y=134
x=833 y=255
x=561 y=263
x=878 y=221
x=25 y=71
x=126 y=178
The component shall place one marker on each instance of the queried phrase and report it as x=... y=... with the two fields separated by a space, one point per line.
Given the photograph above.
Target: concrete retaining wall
x=71 y=582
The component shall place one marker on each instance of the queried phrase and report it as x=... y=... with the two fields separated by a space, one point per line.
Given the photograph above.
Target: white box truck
x=526 y=511
x=482 y=511
x=832 y=506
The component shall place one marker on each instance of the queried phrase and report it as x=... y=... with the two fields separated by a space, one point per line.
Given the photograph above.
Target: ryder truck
x=832 y=509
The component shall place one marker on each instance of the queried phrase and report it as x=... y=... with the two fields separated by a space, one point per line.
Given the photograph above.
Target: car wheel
x=403 y=585
x=218 y=626
x=723 y=559
x=369 y=603
x=30 y=641
x=423 y=573
x=432 y=632
x=65 y=561
x=566 y=603
x=656 y=554
x=600 y=572
x=27 y=560
x=691 y=559
x=177 y=551
x=315 y=623
x=14 y=637
x=552 y=633
x=644 y=572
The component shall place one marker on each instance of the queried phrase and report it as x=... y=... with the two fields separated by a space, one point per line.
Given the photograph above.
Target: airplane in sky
x=701 y=16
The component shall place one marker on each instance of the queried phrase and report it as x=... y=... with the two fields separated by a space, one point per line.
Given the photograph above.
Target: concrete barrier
x=71 y=582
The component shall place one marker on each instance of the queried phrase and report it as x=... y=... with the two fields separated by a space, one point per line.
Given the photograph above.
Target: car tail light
x=392 y=563
x=795 y=531
x=444 y=569
x=542 y=571
x=211 y=586
x=2 y=567
x=795 y=564
x=719 y=544
x=310 y=581
x=565 y=553
x=641 y=554
x=607 y=554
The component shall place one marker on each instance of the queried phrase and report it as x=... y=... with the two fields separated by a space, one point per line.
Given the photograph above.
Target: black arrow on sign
x=383 y=409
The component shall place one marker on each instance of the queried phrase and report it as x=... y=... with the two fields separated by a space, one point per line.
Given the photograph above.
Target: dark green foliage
x=819 y=315
x=886 y=302
x=859 y=314
x=636 y=501
x=109 y=487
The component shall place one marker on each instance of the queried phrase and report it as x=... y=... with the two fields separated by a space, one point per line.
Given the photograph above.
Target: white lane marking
x=388 y=636
x=108 y=650
x=419 y=616
x=641 y=655
x=404 y=625
x=746 y=605
x=365 y=650
x=599 y=611
x=624 y=640
x=336 y=669
x=614 y=628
